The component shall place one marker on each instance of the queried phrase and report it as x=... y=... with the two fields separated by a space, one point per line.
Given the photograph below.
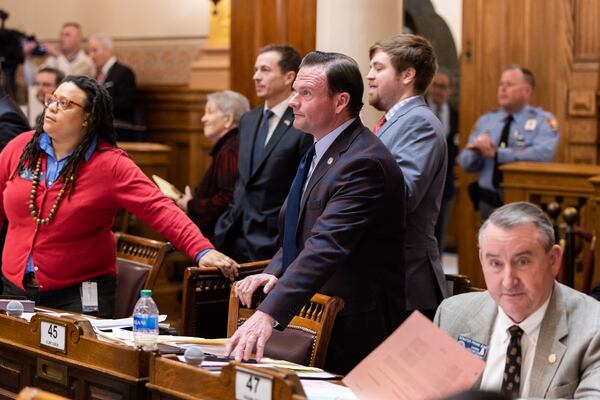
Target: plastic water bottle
x=145 y=321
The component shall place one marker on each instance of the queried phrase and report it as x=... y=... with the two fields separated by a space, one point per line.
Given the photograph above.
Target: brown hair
x=409 y=51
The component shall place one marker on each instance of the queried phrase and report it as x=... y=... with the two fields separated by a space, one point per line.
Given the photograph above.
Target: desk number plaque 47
x=53 y=335
x=250 y=385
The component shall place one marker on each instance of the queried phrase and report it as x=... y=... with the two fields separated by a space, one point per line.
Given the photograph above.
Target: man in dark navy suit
x=119 y=80
x=270 y=150
x=343 y=224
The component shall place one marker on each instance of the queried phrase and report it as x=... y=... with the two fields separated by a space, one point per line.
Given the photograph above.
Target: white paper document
x=418 y=361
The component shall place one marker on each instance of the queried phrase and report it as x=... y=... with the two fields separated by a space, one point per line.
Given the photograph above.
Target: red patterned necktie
x=379 y=124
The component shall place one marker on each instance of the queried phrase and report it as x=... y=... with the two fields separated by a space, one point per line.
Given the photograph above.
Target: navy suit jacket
x=350 y=241
x=252 y=218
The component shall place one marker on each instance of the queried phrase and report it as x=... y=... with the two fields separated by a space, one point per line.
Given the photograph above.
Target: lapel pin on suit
x=286 y=122
x=330 y=161
x=552 y=358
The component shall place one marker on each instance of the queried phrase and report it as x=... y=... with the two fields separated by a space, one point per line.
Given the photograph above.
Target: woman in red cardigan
x=61 y=187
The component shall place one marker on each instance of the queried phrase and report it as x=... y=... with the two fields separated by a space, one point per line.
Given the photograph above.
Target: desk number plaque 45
x=53 y=335
x=250 y=385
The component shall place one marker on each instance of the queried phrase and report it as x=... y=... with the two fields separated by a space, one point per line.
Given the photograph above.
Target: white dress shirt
x=496 y=360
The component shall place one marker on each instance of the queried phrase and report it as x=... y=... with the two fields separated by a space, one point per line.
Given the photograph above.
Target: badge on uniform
x=530 y=124
x=519 y=138
x=479 y=349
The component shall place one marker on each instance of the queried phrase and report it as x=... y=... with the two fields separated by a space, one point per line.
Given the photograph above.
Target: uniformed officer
x=514 y=132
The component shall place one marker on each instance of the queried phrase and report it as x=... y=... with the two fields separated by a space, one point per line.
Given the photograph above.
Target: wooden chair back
x=206 y=299
x=458 y=284
x=306 y=338
x=139 y=261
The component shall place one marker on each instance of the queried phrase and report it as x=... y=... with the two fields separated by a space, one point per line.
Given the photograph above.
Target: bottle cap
x=146 y=293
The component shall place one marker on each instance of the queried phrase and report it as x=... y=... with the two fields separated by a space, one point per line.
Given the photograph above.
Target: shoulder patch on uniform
x=552 y=121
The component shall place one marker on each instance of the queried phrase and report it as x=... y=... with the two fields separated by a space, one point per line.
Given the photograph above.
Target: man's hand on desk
x=246 y=287
x=214 y=258
x=256 y=330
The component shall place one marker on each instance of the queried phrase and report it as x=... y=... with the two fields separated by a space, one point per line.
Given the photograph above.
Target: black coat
x=12 y=120
x=250 y=225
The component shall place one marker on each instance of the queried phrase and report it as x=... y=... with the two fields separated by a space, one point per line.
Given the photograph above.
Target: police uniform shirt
x=533 y=136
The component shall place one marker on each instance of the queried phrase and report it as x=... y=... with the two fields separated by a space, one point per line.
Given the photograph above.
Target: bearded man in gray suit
x=540 y=339
x=402 y=68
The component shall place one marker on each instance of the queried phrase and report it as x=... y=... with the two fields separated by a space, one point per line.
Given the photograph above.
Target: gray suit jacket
x=415 y=138
x=570 y=330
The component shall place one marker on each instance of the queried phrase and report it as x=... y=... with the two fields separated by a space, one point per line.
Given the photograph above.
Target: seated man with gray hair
x=539 y=338
x=119 y=80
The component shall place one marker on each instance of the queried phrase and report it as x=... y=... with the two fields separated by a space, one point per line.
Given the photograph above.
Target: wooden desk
x=171 y=379
x=88 y=369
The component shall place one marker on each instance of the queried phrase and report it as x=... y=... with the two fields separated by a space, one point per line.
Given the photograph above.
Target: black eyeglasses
x=62 y=102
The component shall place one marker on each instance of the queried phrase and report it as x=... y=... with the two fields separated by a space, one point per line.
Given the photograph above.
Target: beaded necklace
x=34 y=184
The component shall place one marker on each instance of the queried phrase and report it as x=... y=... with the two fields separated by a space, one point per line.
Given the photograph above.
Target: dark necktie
x=261 y=138
x=293 y=209
x=511 y=381
x=497 y=177
x=380 y=123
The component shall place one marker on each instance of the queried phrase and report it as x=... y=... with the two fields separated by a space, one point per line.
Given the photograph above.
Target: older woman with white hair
x=214 y=193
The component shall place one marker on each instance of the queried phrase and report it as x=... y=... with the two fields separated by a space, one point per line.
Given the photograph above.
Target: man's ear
x=408 y=75
x=289 y=78
x=341 y=102
x=555 y=259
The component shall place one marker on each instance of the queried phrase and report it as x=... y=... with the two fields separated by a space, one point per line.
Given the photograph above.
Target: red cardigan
x=78 y=243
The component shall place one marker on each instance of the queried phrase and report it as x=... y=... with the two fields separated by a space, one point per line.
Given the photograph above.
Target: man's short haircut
x=72 y=24
x=409 y=51
x=527 y=74
x=230 y=103
x=343 y=75
x=58 y=75
x=520 y=213
x=105 y=41
x=290 y=58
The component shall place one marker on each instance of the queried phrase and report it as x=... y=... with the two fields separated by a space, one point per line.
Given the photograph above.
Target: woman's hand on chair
x=226 y=265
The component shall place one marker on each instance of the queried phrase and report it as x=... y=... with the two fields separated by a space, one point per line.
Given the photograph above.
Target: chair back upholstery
x=458 y=284
x=139 y=261
x=206 y=299
x=306 y=338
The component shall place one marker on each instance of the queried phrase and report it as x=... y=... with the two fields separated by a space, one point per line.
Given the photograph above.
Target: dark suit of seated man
x=270 y=150
x=343 y=224
x=119 y=81
x=540 y=339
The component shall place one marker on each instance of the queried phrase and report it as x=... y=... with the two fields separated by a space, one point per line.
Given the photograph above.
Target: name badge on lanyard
x=89 y=296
